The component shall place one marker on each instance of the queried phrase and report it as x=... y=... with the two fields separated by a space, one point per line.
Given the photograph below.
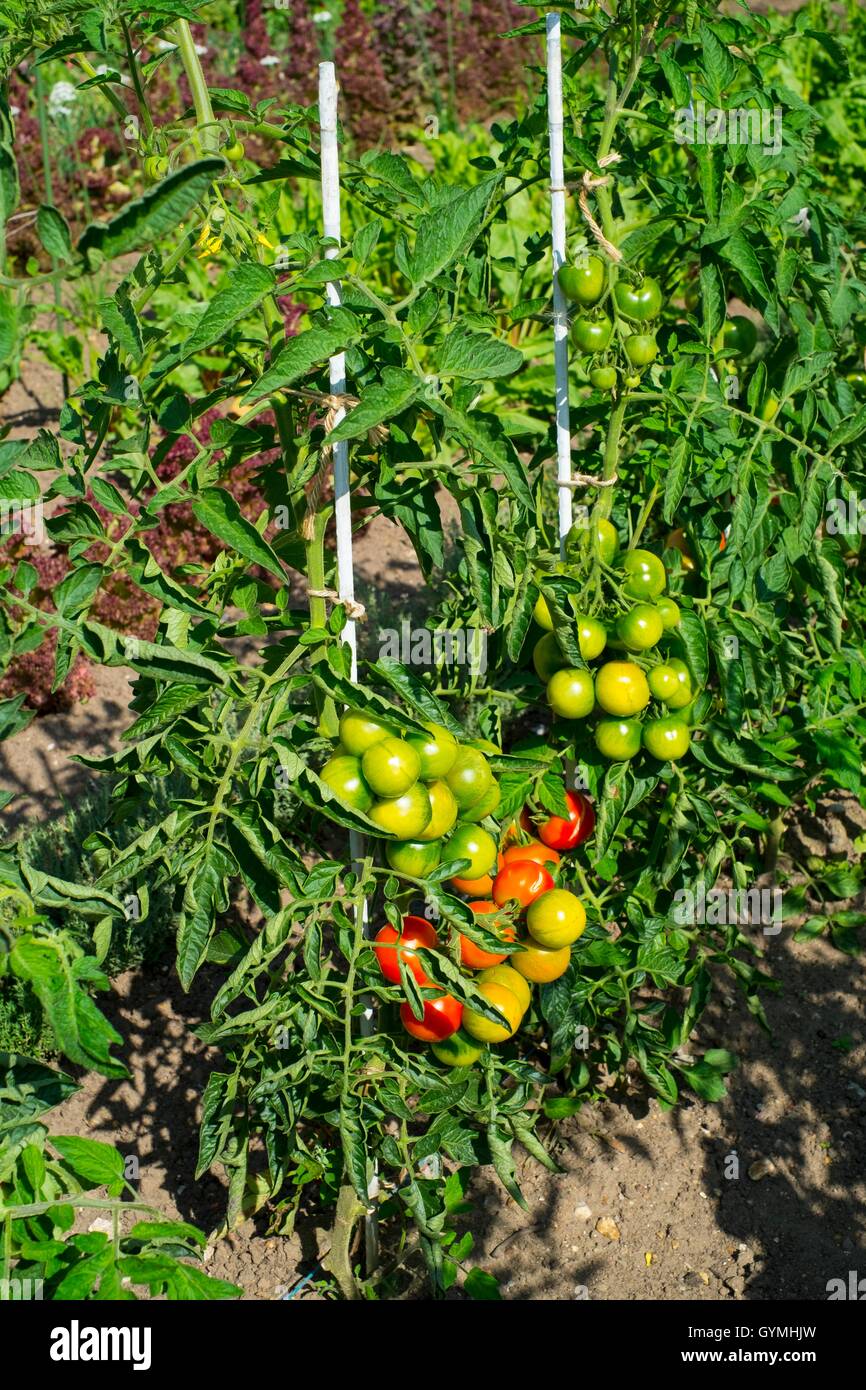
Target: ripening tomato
x=533 y=853
x=505 y=1003
x=521 y=882
x=469 y=778
x=591 y=335
x=458 y=1050
x=473 y=956
x=485 y=807
x=506 y=975
x=582 y=283
x=344 y=776
x=561 y=834
x=677 y=541
x=416 y=858
x=541 y=964
x=591 y=637
x=618 y=739
x=570 y=693
x=391 y=767
x=638 y=302
x=547 y=657
x=641 y=349
x=686 y=691
x=738 y=337
x=443 y=811
x=669 y=613
x=640 y=628
x=387 y=943
x=667 y=739
x=556 y=919
x=405 y=816
x=359 y=731
x=437 y=751
x=475 y=844
x=644 y=574
x=621 y=688
x=603 y=378
x=442 y=1017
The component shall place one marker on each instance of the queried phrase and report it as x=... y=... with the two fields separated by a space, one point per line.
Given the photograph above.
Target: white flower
x=270 y=60
x=61 y=100
x=201 y=49
x=322 y=17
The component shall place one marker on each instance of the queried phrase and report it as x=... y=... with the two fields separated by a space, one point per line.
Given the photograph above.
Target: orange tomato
x=521 y=882
x=535 y=852
x=475 y=887
x=474 y=957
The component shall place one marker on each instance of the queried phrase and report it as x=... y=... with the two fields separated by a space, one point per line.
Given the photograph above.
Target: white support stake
x=557 y=236
x=342 y=494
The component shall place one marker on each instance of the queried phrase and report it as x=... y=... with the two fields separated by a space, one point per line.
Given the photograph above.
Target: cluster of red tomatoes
x=621 y=689
x=638 y=302
x=517 y=896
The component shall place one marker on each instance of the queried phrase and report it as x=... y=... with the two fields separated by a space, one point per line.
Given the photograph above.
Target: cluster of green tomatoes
x=638 y=302
x=620 y=689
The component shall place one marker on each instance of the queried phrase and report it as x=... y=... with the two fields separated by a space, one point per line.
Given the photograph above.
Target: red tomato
x=521 y=882
x=417 y=931
x=568 y=834
x=535 y=852
x=442 y=1017
x=474 y=957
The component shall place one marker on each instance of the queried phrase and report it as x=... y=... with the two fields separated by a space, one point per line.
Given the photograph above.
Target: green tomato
x=686 y=692
x=443 y=811
x=770 y=409
x=738 y=337
x=591 y=335
x=641 y=349
x=437 y=751
x=476 y=844
x=470 y=778
x=234 y=152
x=638 y=302
x=621 y=688
x=645 y=575
x=541 y=613
x=857 y=380
x=458 y=1050
x=360 y=731
x=485 y=807
x=669 y=612
x=667 y=739
x=603 y=378
x=344 y=776
x=405 y=816
x=618 y=739
x=663 y=682
x=640 y=628
x=606 y=534
x=547 y=657
x=583 y=283
x=417 y=858
x=570 y=693
x=391 y=767
x=591 y=637
x=632 y=381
